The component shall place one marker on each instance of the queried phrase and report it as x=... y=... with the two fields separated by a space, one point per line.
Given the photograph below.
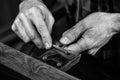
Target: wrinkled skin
x=34 y=23
x=96 y=30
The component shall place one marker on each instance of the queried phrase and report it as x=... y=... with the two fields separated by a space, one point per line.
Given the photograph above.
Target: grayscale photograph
x=59 y=39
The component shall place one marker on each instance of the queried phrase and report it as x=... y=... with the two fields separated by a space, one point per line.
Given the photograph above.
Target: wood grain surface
x=29 y=66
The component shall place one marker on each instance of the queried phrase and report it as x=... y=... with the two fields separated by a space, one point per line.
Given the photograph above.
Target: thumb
x=73 y=33
x=81 y=45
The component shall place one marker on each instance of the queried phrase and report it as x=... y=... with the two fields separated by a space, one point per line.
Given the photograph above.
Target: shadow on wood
x=30 y=67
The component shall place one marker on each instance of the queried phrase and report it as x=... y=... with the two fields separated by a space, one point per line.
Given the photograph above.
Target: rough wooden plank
x=30 y=67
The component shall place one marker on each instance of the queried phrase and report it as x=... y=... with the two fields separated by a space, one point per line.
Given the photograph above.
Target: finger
x=49 y=20
x=37 y=19
x=20 y=31
x=72 y=34
x=30 y=30
x=83 y=44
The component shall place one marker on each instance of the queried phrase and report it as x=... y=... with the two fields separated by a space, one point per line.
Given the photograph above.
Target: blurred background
x=104 y=66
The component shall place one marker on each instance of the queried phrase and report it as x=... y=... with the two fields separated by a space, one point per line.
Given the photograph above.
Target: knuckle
x=34 y=9
x=45 y=36
x=28 y=13
x=71 y=35
x=42 y=7
x=66 y=33
x=17 y=20
x=20 y=15
x=89 y=42
x=32 y=36
x=13 y=28
x=42 y=29
x=74 y=33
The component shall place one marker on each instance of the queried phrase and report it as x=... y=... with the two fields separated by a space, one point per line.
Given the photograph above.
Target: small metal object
x=59 y=58
x=59 y=64
x=44 y=57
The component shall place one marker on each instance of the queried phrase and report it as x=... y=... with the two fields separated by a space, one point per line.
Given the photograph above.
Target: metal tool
x=59 y=58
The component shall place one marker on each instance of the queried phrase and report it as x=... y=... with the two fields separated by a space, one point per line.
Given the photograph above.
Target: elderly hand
x=34 y=23
x=96 y=30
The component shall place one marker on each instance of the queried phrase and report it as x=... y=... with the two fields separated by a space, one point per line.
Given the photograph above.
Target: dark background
x=104 y=66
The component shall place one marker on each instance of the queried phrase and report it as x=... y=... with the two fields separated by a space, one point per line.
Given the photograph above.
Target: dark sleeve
x=116 y=6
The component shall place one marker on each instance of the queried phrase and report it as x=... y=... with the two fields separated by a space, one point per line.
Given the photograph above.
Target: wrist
x=117 y=22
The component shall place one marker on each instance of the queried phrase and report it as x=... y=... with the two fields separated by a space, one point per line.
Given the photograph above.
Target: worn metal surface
x=30 y=67
x=60 y=58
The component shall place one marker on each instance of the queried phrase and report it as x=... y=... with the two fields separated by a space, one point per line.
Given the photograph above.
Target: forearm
x=116 y=21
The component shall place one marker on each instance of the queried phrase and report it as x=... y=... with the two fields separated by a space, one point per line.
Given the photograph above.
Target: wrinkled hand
x=96 y=30
x=34 y=23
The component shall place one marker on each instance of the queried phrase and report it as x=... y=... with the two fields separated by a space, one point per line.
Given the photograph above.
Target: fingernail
x=47 y=45
x=64 y=40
